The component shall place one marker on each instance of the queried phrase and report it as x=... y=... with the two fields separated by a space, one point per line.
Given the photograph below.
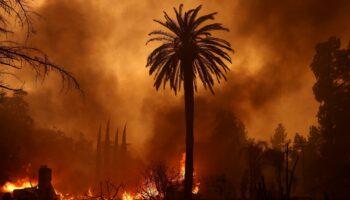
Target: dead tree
x=15 y=56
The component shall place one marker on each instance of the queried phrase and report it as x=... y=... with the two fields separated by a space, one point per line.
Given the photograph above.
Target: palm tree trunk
x=189 y=112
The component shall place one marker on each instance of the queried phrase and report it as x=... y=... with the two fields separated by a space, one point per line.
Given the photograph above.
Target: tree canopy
x=188 y=38
x=279 y=138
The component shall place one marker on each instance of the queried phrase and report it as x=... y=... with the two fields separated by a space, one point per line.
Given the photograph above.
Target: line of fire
x=112 y=161
x=174 y=100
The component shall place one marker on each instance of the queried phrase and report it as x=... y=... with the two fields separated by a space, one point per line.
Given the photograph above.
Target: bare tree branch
x=16 y=56
x=9 y=88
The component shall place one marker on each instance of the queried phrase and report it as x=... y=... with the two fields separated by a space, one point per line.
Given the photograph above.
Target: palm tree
x=188 y=50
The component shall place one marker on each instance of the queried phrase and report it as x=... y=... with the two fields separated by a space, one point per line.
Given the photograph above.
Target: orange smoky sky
x=103 y=44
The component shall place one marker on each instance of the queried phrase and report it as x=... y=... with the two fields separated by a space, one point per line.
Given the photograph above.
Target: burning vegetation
x=157 y=182
x=221 y=147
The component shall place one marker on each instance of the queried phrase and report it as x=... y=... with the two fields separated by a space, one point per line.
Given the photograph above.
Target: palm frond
x=161 y=39
x=187 y=36
x=211 y=27
x=162 y=33
x=194 y=14
x=178 y=14
x=169 y=26
x=217 y=51
x=214 y=43
x=202 y=19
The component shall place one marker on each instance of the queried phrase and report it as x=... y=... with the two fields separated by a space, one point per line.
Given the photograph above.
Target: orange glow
x=26 y=183
x=66 y=196
x=195 y=189
x=19 y=184
x=127 y=196
x=151 y=189
x=89 y=192
x=182 y=166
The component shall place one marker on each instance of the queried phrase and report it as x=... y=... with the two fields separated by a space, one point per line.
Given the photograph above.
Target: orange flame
x=26 y=183
x=152 y=191
x=19 y=184
x=127 y=196
x=89 y=192
x=182 y=166
x=195 y=189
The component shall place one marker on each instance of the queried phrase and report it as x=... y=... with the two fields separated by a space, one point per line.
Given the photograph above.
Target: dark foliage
x=188 y=38
x=331 y=67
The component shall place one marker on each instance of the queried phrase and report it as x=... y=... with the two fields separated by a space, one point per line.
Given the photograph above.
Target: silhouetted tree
x=188 y=50
x=14 y=56
x=299 y=142
x=98 y=156
x=298 y=151
x=255 y=155
x=331 y=67
x=218 y=187
x=278 y=140
x=314 y=139
x=14 y=118
x=107 y=154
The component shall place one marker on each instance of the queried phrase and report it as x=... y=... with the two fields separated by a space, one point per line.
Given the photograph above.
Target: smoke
x=270 y=80
x=103 y=44
x=277 y=39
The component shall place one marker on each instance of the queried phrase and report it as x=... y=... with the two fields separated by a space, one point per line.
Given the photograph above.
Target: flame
x=151 y=189
x=89 y=192
x=127 y=196
x=19 y=184
x=66 y=196
x=182 y=166
x=195 y=189
x=26 y=183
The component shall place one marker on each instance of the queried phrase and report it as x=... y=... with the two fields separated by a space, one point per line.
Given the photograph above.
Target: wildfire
x=151 y=190
x=66 y=196
x=195 y=189
x=182 y=166
x=19 y=184
x=26 y=183
x=89 y=192
x=127 y=196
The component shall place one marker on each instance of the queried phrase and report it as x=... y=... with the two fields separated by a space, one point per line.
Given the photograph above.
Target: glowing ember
x=66 y=196
x=19 y=184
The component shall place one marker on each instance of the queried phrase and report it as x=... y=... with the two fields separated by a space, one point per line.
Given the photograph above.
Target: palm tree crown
x=187 y=38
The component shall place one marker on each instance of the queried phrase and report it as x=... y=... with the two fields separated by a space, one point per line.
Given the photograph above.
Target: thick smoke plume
x=103 y=44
